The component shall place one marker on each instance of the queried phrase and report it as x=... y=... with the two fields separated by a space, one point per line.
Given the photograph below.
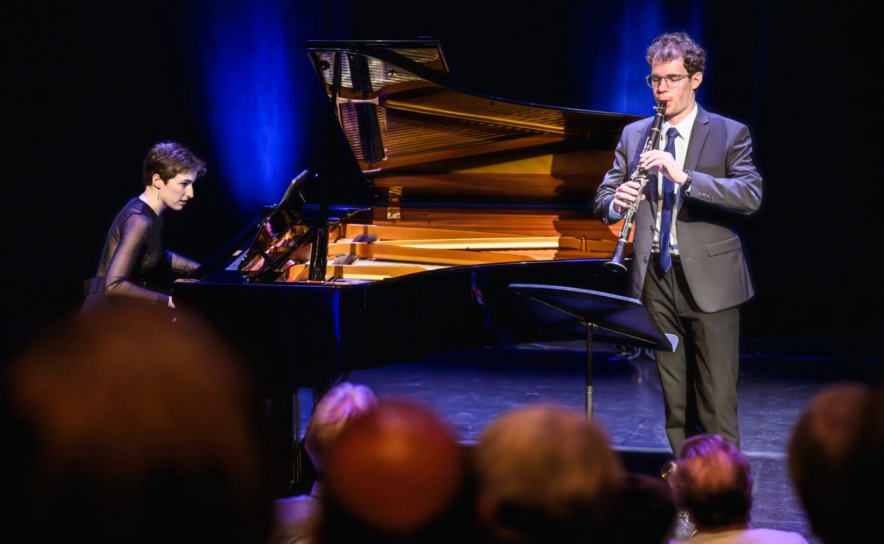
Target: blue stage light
x=247 y=57
x=611 y=61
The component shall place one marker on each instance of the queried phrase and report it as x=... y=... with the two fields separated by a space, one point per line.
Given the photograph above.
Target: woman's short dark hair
x=668 y=47
x=168 y=159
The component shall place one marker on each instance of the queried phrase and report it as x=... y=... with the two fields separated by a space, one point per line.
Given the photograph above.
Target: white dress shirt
x=681 y=148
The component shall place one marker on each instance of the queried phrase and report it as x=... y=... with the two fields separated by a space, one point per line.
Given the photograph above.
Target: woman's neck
x=149 y=197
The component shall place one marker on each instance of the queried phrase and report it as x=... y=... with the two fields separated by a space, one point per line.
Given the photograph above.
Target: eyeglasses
x=672 y=80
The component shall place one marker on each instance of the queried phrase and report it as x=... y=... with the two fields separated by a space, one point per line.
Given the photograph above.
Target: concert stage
x=777 y=380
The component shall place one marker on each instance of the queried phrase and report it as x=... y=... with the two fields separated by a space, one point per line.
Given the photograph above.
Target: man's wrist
x=689 y=180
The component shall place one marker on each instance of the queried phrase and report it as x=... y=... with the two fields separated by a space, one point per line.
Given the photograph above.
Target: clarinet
x=641 y=177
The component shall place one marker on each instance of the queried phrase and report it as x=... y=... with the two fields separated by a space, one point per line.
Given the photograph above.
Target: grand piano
x=467 y=194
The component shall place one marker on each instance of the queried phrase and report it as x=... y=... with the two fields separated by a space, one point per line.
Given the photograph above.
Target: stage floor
x=470 y=388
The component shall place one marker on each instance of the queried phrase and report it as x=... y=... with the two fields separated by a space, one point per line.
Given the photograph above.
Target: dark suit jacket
x=725 y=183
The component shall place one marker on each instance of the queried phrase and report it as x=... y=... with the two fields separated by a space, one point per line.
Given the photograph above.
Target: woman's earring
x=158 y=194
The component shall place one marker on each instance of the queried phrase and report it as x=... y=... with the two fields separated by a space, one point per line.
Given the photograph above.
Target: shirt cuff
x=612 y=215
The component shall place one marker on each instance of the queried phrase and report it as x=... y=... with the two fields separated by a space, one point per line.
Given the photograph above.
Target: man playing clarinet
x=688 y=267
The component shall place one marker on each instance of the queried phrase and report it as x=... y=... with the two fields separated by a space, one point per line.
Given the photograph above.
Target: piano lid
x=451 y=166
x=400 y=111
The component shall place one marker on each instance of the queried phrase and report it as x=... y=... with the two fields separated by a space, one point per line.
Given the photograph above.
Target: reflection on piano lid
x=458 y=173
x=459 y=178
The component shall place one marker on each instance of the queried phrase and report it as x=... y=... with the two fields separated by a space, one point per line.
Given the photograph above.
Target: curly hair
x=671 y=46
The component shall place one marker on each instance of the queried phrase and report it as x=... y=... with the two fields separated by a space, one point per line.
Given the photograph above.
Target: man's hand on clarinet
x=665 y=163
x=625 y=196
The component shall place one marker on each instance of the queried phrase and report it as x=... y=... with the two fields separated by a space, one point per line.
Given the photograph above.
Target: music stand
x=579 y=312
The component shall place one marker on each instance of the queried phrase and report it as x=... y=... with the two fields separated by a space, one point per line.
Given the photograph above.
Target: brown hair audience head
x=835 y=457
x=712 y=481
x=128 y=428
x=395 y=474
x=544 y=474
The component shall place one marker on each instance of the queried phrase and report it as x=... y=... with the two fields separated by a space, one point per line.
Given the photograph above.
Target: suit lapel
x=699 y=132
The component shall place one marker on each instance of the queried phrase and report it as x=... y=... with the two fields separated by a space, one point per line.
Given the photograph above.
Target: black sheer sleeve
x=133 y=240
x=181 y=266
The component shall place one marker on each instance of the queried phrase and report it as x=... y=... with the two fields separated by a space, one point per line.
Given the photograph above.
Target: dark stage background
x=88 y=87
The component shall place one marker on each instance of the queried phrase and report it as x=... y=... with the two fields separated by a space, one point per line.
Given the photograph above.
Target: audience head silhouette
x=835 y=459
x=128 y=428
x=713 y=483
x=544 y=474
x=395 y=474
x=295 y=516
x=644 y=512
x=335 y=410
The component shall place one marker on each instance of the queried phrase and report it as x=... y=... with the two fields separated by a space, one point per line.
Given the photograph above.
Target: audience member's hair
x=644 y=512
x=396 y=475
x=128 y=428
x=835 y=458
x=544 y=474
x=713 y=482
x=337 y=408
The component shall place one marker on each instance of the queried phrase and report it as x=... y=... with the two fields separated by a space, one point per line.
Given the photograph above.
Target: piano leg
x=285 y=426
x=294 y=473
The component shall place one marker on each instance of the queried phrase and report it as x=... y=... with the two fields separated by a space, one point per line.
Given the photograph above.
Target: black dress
x=135 y=267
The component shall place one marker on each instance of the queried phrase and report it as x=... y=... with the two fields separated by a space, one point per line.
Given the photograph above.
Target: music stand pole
x=622 y=320
x=589 y=328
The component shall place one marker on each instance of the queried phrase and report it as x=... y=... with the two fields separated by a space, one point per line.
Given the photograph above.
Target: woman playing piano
x=134 y=263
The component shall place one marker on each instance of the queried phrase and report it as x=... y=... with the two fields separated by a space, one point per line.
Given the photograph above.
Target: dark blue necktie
x=668 y=205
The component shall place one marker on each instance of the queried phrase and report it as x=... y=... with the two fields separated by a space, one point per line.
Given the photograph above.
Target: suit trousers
x=699 y=379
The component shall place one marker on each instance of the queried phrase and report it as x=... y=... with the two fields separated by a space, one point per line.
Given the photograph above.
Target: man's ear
x=696 y=80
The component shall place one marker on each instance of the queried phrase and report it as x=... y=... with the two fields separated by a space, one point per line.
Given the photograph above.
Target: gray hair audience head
x=128 y=428
x=544 y=473
x=713 y=482
x=334 y=411
x=836 y=461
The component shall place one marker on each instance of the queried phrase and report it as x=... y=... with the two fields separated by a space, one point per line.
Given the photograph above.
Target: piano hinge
x=394 y=202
